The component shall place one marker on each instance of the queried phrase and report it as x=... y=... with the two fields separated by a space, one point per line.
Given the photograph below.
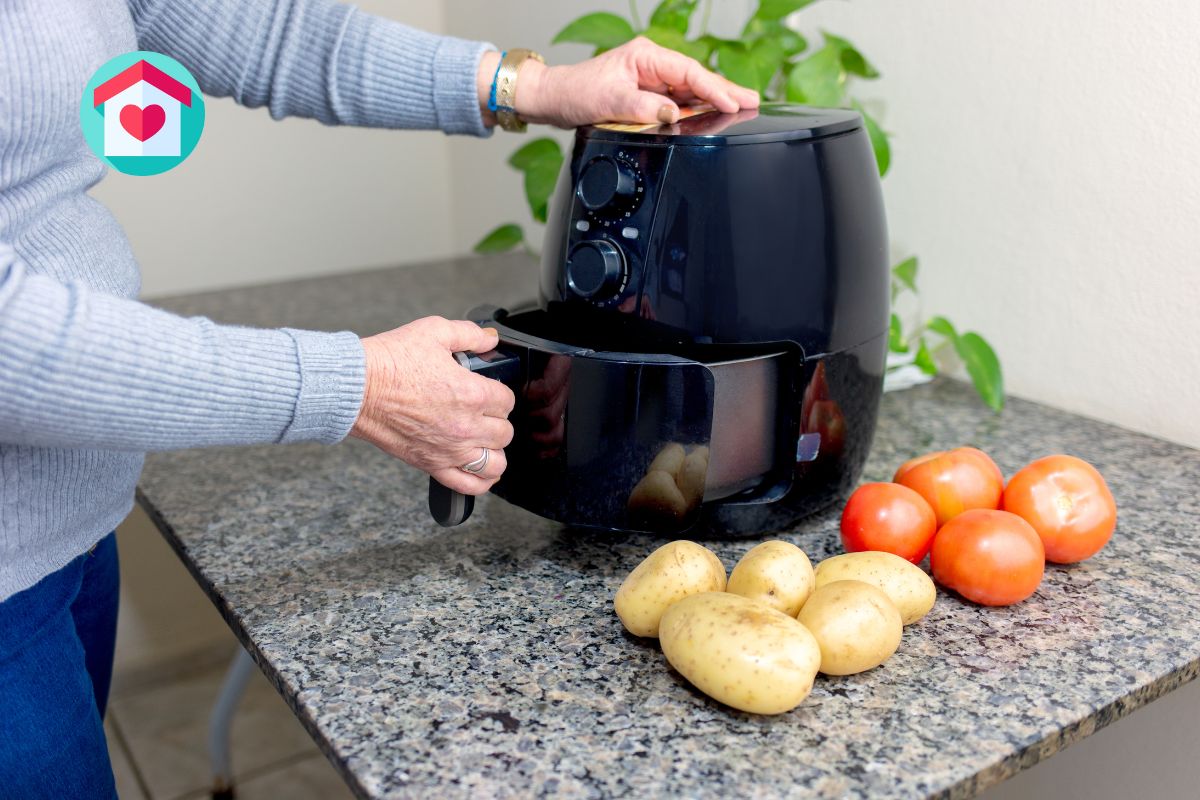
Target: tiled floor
x=172 y=650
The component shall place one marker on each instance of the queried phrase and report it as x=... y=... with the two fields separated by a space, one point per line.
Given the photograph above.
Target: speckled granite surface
x=486 y=661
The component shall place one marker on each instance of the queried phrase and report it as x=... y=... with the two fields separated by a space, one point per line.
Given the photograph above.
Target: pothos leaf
x=533 y=152
x=778 y=9
x=500 y=240
x=879 y=140
x=673 y=39
x=924 y=359
x=984 y=368
x=541 y=161
x=602 y=30
x=853 y=60
x=819 y=80
x=905 y=273
x=896 y=336
x=942 y=327
x=673 y=15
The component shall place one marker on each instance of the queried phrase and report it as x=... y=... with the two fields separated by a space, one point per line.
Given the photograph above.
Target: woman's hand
x=636 y=82
x=423 y=407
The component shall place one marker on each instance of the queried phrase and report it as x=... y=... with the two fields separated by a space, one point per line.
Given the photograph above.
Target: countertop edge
x=236 y=626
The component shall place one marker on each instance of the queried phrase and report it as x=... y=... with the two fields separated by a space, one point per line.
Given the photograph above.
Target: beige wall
x=1045 y=170
x=261 y=200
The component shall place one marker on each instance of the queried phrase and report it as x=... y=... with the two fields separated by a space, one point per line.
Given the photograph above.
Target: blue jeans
x=56 y=656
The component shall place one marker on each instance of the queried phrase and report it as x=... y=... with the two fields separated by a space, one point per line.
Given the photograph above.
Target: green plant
x=777 y=60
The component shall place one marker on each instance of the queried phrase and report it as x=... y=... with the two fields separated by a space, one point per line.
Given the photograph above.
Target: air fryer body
x=699 y=269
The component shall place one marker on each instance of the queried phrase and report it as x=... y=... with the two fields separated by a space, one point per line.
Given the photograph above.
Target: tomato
x=1067 y=502
x=888 y=517
x=953 y=481
x=993 y=558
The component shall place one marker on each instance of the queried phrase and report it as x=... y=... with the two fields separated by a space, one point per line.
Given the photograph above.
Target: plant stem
x=708 y=4
x=633 y=12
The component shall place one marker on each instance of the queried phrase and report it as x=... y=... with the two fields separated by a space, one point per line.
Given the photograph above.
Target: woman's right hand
x=421 y=406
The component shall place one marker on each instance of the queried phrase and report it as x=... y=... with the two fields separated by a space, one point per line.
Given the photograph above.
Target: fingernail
x=668 y=114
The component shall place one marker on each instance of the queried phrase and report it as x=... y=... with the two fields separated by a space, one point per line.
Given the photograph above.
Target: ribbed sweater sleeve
x=81 y=368
x=320 y=59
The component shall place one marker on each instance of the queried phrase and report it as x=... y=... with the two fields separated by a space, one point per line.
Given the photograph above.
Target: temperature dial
x=595 y=270
x=609 y=184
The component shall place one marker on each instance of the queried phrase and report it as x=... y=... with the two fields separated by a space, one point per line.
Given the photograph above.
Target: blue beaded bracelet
x=492 y=91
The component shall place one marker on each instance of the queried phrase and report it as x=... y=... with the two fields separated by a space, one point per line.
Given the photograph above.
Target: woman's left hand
x=639 y=81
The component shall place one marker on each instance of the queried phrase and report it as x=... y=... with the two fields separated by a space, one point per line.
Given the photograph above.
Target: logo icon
x=142 y=113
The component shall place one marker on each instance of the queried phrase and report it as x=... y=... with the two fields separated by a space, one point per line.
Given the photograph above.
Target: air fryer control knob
x=595 y=269
x=605 y=182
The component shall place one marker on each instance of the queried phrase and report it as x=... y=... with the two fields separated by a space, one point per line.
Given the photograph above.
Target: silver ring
x=479 y=464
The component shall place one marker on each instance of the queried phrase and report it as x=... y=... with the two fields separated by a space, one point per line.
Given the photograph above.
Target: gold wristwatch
x=504 y=87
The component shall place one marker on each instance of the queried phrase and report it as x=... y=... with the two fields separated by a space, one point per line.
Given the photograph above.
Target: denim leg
x=95 y=613
x=51 y=738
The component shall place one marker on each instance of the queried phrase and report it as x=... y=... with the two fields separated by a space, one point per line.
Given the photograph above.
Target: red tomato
x=1067 y=502
x=888 y=517
x=993 y=558
x=953 y=481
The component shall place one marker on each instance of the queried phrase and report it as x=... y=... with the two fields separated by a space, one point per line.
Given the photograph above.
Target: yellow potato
x=669 y=574
x=656 y=495
x=856 y=624
x=910 y=589
x=669 y=460
x=777 y=574
x=740 y=652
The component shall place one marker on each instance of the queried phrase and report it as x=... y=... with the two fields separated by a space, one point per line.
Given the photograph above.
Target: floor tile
x=312 y=778
x=166 y=729
x=128 y=787
x=166 y=626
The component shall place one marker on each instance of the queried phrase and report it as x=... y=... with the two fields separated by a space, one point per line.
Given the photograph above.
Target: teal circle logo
x=142 y=113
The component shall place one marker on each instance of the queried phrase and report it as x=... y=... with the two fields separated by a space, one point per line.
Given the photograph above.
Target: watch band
x=506 y=88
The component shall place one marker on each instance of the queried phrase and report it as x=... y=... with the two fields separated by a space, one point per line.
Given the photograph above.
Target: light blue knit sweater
x=90 y=379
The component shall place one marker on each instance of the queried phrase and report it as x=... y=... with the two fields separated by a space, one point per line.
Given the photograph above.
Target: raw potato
x=911 y=590
x=856 y=625
x=777 y=574
x=740 y=652
x=669 y=574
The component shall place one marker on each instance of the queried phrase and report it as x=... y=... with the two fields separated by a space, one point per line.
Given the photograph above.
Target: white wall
x=261 y=200
x=1045 y=170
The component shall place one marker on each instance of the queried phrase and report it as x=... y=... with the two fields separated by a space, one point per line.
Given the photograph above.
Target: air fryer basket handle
x=448 y=507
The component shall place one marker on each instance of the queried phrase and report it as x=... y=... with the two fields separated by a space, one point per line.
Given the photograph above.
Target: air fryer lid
x=771 y=122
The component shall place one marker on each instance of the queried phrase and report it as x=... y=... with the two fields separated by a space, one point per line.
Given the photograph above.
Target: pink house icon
x=141 y=111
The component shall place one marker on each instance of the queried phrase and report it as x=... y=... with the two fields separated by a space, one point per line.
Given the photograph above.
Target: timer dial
x=595 y=270
x=608 y=184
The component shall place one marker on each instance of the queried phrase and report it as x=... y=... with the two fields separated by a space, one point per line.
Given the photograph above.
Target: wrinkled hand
x=636 y=82
x=421 y=406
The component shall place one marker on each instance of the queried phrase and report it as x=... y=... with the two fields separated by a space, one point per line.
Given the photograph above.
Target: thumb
x=643 y=106
x=460 y=335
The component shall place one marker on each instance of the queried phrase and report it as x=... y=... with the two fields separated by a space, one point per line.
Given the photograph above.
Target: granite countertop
x=486 y=661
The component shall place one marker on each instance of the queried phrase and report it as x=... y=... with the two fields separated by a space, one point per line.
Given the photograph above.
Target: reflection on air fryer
x=673 y=486
x=546 y=403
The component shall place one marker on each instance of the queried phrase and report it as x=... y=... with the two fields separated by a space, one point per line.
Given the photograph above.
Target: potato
x=740 y=652
x=669 y=574
x=777 y=574
x=669 y=460
x=911 y=590
x=857 y=626
x=656 y=495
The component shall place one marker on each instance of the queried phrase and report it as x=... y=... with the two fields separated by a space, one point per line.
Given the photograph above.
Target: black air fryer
x=707 y=353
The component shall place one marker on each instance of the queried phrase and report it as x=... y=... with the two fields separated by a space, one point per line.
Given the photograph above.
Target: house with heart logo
x=141 y=111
